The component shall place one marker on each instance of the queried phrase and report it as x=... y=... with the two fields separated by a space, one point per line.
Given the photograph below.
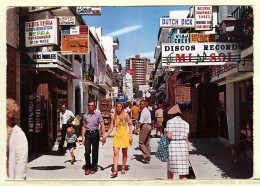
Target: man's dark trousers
x=63 y=135
x=91 y=139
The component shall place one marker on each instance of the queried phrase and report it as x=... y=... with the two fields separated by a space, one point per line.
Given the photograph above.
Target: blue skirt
x=70 y=145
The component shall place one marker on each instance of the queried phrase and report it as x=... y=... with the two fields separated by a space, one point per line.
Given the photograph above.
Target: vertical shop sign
x=41 y=32
x=203 y=17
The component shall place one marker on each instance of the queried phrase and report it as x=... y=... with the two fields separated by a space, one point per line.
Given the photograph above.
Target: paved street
x=209 y=158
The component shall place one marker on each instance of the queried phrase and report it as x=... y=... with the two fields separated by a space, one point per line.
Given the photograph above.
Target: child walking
x=71 y=142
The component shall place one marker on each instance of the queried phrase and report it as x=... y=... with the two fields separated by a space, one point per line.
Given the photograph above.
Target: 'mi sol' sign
x=200 y=54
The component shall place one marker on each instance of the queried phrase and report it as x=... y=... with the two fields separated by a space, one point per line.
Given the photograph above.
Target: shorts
x=159 y=122
x=70 y=145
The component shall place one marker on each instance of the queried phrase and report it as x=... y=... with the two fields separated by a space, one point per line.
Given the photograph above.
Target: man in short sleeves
x=90 y=137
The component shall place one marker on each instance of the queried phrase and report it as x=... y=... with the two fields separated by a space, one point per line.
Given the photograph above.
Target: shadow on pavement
x=35 y=155
x=220 y=156
x=48 y=167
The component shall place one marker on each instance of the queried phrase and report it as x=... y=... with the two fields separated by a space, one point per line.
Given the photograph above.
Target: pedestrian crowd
x=126 y=119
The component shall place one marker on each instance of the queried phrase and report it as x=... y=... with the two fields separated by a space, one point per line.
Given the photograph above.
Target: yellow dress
x=121 y=136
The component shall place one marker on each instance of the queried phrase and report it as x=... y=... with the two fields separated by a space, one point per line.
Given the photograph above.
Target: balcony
x=88 y=75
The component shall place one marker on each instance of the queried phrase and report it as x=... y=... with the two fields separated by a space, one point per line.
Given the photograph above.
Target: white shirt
x=18 y=154
x=145 y=116
x=65 y=116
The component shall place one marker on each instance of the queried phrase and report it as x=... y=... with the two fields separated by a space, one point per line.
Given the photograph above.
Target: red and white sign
x=203 y=17
x=41 y=32
x=130 y=71
x=67 y=20
x=200 y=54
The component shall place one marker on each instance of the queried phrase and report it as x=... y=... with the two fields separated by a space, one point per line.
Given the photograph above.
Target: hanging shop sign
x=144 y=87
x=130 y=71
x=197 y=38
x=41 y=32
x=40 y=8
x=203 y=17
x=200 y=54
x=152 y=91
x=177 y=23
x=88 y=10
x=67 y=20
x=50 y=58
x=75 y=40
x=181 y=38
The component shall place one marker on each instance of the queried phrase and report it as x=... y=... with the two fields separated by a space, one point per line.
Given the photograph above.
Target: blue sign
x=65 y=32
x=122 y=98
x=181 y=38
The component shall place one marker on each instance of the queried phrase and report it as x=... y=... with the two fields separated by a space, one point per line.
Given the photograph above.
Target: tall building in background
x=140 y=66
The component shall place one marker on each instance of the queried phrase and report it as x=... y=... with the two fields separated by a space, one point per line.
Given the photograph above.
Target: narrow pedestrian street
x=210 y=160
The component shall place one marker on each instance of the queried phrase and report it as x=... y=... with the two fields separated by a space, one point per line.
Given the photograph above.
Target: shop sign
x=88 y=10
x=197 y=38
x=75 y=40
x=62 y=92
x=41 y=32
x=50 y=58
x=203 y=17
x=144 y=87
x=200 y=54
x=152 y=91
x=67 y=20
x=181 y=38
x=40 y=8
x=177 y=23
x=130 y=71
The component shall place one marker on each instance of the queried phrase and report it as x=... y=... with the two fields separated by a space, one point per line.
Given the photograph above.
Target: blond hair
x=122 y=112
x=70 y=130
x=12 y=111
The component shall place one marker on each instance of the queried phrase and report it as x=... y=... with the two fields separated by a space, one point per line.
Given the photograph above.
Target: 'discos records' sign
x=200 y=54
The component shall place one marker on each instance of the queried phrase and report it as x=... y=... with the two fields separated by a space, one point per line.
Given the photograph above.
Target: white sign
x=67 y=20
x=144 y=87
x=181 y=38
x=200 y=54
x=88 y=10
x=41 y=32
x=203 y=17
x=176 y=23
x=50 y=57
x=40 y=8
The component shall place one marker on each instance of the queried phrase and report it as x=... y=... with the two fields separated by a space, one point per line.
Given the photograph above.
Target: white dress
x=178 y=161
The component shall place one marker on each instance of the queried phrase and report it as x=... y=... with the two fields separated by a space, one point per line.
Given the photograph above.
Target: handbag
x=191 y=174
x=162 y=149
x=70 y=120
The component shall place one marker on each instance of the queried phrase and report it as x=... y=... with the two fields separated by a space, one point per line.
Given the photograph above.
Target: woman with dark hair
x=17 y=144
x=177 y=131
x=122 y=138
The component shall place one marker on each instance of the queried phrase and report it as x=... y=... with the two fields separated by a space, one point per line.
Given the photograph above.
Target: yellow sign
x=197 y=38
x=111 y=90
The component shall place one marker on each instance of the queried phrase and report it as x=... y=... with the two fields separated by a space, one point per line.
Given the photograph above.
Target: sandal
x=114 y=174
x=123 y=171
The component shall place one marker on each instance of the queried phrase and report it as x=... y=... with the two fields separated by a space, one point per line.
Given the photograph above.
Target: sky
x=136 y=28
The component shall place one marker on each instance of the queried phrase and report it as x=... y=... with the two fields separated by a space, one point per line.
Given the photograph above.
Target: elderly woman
x=17 y=145
x=177 y=132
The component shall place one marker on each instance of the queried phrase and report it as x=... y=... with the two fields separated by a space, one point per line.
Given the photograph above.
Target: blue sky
x=136 y=28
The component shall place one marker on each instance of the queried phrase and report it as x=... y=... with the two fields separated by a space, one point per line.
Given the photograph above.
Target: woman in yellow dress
x=122 y=138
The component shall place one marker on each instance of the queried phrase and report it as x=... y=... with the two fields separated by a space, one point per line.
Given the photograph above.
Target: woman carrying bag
x=177 y=131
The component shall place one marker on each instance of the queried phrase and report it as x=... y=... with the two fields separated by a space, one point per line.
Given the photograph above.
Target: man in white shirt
x=144 y=124
x=65 y=115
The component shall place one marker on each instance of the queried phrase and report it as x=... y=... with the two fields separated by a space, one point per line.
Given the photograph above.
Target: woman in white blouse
x=17 y=144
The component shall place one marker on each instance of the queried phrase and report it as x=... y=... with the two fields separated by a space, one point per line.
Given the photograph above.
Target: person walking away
x=135 y=114
x=122 y=138
x=90 y=136
x=159 y=117
x=166 y=116
x=71 y=139
x=154 y=120
x=17 y=144
x=178 y=133
x=66 y=120
x=145 y=131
